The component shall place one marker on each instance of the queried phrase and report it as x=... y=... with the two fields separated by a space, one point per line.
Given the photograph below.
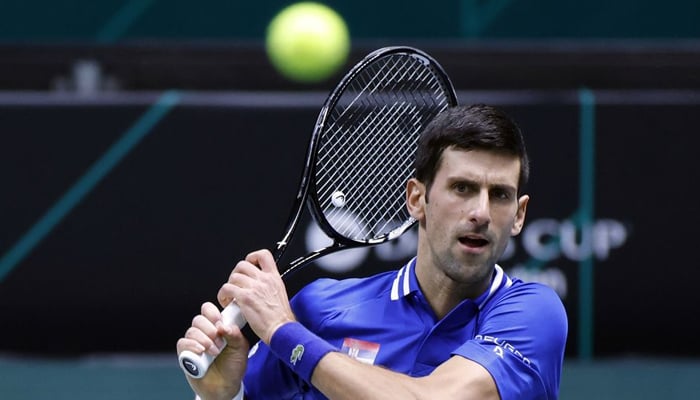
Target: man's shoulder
x=332 y=290
x=532 y=300
x=325 y=299
x=531 y=289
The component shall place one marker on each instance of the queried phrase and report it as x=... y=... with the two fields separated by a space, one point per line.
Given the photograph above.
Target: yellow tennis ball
x=307 y=42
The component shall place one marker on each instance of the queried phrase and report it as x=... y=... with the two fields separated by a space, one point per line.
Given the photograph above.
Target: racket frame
x=306 y=196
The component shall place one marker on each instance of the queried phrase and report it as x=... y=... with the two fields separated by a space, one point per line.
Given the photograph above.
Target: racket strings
x=366 y=150
x=386 y=182
x=376 y=213
x=370 y=164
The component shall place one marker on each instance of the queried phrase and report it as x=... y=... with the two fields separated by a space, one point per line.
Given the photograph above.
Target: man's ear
x=520 y=215
x=415 y=198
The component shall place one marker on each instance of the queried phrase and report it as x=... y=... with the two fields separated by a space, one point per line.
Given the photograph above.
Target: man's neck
x=443 y=293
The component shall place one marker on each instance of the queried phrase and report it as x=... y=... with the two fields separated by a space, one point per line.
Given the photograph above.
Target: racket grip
x=196 y=365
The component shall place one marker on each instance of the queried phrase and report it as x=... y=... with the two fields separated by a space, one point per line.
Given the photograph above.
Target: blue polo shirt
x=516 y=330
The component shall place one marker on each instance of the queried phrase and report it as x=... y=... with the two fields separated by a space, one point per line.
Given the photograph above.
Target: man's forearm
x=340 y=377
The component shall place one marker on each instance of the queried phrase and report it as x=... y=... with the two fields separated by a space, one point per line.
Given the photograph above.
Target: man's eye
x=502 y=195
x=461 y=187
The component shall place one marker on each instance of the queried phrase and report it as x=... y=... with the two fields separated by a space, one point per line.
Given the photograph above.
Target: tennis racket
x=359 y=159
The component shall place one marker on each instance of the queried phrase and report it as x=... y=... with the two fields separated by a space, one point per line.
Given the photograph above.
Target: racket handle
x=196 y=365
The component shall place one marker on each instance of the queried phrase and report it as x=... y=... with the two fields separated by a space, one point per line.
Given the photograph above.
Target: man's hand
x=258 y=290
x=207 y=334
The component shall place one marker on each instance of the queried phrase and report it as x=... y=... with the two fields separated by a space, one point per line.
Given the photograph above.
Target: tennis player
x=450 y=324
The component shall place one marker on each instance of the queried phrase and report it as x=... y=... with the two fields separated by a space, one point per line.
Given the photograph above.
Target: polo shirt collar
x=406 y=283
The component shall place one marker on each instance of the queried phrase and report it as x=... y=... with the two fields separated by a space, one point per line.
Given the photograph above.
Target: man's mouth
x=473 y=241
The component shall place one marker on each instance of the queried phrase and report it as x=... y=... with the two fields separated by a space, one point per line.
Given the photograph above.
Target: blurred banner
x=121 y=213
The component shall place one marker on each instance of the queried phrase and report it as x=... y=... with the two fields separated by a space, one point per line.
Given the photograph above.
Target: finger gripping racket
x=359 y=158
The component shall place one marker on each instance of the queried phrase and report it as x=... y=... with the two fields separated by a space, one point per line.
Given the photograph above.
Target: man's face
x=469 y=214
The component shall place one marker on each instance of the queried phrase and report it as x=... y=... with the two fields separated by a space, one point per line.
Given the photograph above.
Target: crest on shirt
x=360 y=350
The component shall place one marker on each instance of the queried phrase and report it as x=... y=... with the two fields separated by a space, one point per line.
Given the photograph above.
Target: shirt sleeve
x=520 y=339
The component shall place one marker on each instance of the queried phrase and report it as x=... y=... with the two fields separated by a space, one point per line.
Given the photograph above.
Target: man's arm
x=260 y=293
x=340 y=377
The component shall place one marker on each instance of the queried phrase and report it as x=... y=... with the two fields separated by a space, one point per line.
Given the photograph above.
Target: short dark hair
x=476 y=126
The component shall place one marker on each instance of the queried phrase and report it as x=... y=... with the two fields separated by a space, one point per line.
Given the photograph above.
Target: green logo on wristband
x=297 y=353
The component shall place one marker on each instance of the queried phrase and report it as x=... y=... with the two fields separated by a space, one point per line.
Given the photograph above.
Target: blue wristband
x=299 y=348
